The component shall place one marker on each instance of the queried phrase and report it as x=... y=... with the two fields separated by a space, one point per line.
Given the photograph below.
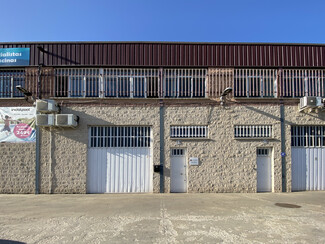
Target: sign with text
x=14 y=56
x=17 y=124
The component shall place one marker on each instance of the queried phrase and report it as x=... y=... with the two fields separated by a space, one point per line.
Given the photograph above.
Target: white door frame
x=178 y=175
x=264 y=155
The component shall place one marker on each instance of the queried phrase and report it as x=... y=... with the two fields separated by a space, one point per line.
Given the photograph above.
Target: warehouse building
x=158 y=117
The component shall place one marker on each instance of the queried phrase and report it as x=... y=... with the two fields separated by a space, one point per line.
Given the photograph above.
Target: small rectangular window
x=253 y=131
x=178 y=152
x=189 y=131
x=263 y=152
x=123 y=136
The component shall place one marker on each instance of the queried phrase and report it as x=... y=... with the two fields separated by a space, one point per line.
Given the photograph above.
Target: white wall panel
x=308 y=168
x=119 y=170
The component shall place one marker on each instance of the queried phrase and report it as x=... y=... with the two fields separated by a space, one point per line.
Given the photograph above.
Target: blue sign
x=14 y=56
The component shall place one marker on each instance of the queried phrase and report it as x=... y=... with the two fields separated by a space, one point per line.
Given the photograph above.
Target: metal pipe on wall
x=283 y=148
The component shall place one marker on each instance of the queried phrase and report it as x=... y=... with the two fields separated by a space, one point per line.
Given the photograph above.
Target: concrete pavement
x=163 y=218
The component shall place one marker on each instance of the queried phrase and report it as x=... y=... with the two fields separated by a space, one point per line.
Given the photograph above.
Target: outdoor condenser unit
x=66 y=120
x=45 y=120
x=310 y=102
x=46 y=106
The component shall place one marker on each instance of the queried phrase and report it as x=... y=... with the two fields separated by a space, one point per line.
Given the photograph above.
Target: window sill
x=191 y=139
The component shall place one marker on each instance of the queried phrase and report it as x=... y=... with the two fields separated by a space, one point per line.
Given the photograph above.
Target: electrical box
x=46 y=106
x=194 y=161
x=45 y=120
x=66 y=120
x=156 y=168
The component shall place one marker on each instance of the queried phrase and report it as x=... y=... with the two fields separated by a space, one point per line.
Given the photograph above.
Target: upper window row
x=131 y=83
x=166 y=83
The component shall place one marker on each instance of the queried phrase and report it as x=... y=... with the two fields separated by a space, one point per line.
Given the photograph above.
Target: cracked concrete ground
x=163 y=218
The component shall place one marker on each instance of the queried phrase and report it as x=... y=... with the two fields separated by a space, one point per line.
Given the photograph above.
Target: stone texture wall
x=64 y=151
x=226 y=164
x=17 y=167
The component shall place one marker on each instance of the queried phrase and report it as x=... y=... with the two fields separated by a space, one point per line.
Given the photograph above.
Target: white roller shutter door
x=119 y=160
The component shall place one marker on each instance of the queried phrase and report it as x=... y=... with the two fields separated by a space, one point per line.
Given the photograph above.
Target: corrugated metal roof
x=174 y=54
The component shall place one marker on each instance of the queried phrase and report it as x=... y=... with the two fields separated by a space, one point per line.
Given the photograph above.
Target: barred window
x=9 y=79
x=308 y=136
x=178 y=152
x=299 y=83
x=255 y=83
x=123 y=136
x=253 y=131
x=189 y=131
x=184 y=83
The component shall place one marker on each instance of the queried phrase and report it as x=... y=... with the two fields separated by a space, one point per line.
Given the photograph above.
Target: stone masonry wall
x=17 y=167
x=226 y=164
x=64 y=157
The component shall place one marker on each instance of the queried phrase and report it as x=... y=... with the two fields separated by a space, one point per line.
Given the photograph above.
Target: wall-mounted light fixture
x=224 y=94
x=27 y=93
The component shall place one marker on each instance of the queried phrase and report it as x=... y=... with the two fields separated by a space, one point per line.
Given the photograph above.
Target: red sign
x=22 y=130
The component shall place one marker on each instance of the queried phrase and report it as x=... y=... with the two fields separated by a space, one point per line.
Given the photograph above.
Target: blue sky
x=165 y=20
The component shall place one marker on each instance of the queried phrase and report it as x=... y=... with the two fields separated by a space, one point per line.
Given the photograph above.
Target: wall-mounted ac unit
x=66 y=120
x=46 y=106
x=310 y=103
x=45 y=120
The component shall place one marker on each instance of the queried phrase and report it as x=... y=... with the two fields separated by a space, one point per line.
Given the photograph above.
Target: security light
x=226 y=91
x=224 y=94
x=23 y=90
x=26 y=93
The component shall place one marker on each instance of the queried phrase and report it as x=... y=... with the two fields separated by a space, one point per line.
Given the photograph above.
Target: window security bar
x=189 y=131
x=308 y=136
x=184 y=83
x=299 y=83
x=178 y=152
x=9 y=79
x=255 y=83
x=134 y=136
x=253 y=131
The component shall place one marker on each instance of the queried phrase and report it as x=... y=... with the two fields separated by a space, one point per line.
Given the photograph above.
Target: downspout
x=283 y=148
x=162 y=145
x=162 y=138
x=37 y=160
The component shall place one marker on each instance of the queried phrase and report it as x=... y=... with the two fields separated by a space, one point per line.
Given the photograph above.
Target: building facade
x=158 y=117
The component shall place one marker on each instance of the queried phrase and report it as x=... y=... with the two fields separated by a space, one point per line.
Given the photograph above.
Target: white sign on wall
x=194 y=161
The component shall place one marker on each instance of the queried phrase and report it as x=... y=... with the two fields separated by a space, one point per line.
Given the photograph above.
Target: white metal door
x=178 y=176
x=264 y=170
x=119 y=160
x=308 y=169
x=308 y=158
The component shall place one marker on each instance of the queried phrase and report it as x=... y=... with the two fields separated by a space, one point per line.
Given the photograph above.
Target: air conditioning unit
x=307 y=102
x=46 y=106
x=45 y=120
x=311 y=103
x=66 y=120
